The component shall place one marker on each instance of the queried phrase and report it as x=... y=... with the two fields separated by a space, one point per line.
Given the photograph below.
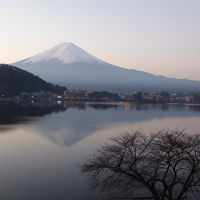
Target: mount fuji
x=67 y=64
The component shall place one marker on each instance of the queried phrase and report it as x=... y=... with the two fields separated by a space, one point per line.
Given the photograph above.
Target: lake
x=42 y=147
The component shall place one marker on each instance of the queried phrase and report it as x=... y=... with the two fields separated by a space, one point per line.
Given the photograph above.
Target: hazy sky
x=157 y=36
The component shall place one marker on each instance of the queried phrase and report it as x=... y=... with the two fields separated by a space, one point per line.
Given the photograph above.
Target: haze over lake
x=41 y=148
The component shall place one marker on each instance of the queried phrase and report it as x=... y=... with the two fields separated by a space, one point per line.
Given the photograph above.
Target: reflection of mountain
x=73 y=121
x=67 y=128
x=21 y=113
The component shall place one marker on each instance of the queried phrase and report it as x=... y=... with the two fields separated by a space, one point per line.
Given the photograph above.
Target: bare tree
x=162 y=166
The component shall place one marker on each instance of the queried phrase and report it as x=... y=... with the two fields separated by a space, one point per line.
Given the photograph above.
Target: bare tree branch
x=162 y=166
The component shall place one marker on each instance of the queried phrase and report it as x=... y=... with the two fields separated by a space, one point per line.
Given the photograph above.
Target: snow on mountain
x=68 y=65
x=66 y=53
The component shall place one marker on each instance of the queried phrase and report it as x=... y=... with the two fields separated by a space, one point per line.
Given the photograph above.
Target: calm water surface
x=41 y=147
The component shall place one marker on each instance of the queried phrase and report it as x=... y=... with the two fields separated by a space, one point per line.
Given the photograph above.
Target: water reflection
x=39 y=157
x=102 y=106
x=74 y=105
x=77 y=121
x=14 y=113
x=21 y=113
x=72 y=122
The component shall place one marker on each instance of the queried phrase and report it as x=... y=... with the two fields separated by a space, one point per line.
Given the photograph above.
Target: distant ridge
x=69 y=65
x=14 y=81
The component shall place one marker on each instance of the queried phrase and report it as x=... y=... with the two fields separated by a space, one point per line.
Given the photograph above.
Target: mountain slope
x=14 y=81
x=69 y=65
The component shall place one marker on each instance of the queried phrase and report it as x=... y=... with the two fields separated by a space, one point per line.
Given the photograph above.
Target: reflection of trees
x=165 y=165
x=164 y=107
x=75 y=105
x=103 y=106
x=15 y=113
x=193 y=107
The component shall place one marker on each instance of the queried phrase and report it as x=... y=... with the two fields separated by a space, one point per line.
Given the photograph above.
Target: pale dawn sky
x=157 y=36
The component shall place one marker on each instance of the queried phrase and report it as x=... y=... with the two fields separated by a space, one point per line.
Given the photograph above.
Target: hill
x=14 y=81
x=69 y=65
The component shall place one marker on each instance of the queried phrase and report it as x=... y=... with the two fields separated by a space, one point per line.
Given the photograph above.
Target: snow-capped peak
x=66 y=53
